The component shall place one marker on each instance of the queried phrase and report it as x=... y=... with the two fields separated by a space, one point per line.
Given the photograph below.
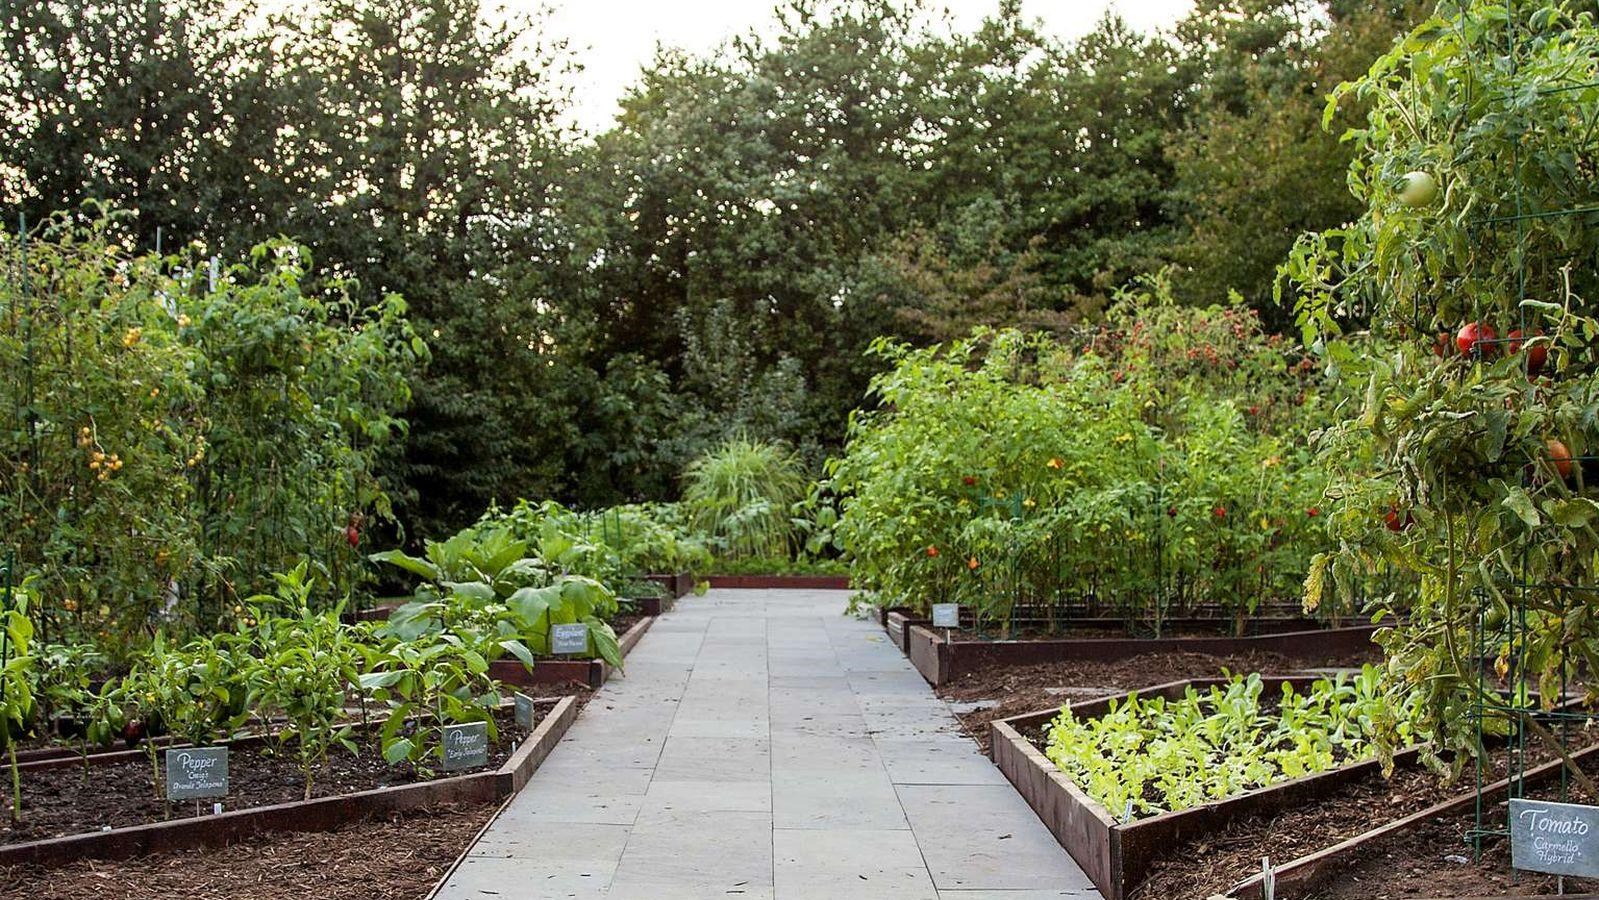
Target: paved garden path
x=762 y=745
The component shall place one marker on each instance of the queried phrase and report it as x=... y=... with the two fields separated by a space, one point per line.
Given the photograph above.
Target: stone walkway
x=763 y=745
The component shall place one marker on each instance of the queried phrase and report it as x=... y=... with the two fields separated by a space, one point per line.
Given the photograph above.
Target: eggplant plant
x=485 y=593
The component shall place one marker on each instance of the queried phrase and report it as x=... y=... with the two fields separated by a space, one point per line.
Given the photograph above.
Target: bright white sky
x=614 y=38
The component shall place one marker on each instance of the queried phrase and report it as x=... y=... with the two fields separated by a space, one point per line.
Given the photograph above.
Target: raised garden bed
x=942 y=660
x=898 y=622
x=781 y=582
x=127 y=779
x=1306 y=876
x=395 y=857
x=1115 y=854
x=677 y=586
x=649 y=606
x=592 y=672
x=999 y=693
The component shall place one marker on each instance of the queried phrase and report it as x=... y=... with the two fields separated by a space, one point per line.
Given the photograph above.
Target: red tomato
x=1537 y=354
x=1220 y=512
x=1397 y=522
x=1476 y=340
x=932 y=551
x=1313 y=512
x=1171 y=511
x=353 y=535
x=969 y=480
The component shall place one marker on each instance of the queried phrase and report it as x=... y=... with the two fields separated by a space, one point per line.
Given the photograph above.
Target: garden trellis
x=1535 y=709
x=182 y=427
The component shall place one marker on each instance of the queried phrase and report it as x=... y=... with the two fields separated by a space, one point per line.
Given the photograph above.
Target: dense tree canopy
x=601 y=307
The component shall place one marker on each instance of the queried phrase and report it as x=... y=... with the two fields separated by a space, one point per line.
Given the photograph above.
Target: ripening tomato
x=932 y=551
x=1476 y=340
x=971 y=563
x=1560 y=455
x=1537 y=354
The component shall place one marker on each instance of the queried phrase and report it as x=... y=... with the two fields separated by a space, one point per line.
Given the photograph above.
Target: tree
x=1258 y=167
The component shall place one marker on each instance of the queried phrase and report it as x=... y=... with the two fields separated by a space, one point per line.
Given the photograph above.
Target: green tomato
x=1420 y=189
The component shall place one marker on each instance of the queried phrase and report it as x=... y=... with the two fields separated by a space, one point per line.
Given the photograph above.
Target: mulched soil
x=1014 y=690
x=58 y=802
x=1221 y=859
x=1434 y=860
x=400 y=858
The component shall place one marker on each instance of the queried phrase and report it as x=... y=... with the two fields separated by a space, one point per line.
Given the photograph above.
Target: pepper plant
x=309 y=663
x=17 y=676
x=198 y=692
x=426 y=686
x=1152 y=467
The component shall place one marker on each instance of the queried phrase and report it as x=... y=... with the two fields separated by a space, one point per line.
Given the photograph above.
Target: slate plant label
x=197 y=773
x=1555 y=838
x=524 y=711
x=569 y=638
x=946 y=615
x=465 y=746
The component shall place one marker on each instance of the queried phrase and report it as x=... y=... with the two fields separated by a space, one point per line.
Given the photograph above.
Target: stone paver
x=763 y=745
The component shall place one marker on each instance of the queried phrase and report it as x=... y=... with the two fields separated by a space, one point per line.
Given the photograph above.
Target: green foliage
x=603 y=311
x=1151 y=467
x=1257 y=168
x=486 y=596
x=1151 y=755
x=198 y=691
x=309 y=662
x=1496 y=105
x=17 y=675
x=174 y=439
x=442 y=682
x=740 y=496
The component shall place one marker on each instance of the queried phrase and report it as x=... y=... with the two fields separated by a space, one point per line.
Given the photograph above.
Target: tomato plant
x=1178 y=486
x=1469 y=461
x=184 y=433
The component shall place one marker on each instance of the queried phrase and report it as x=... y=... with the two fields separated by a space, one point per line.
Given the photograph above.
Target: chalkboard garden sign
x=197 y=773
x=524 y=711
x=465 y=746
x=569 y=639
x=1554 y=838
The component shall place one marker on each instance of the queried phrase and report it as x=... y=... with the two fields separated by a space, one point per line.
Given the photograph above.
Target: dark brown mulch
x=1417 y=863
x=400 y=858
x=1212 y=864
x=59 y=802
x=1024 y=689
